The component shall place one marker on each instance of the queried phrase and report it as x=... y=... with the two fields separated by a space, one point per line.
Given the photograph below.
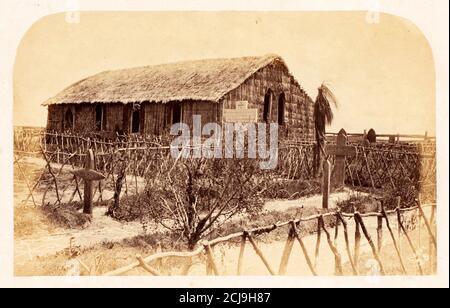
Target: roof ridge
x=265 y=56
x=202 y=79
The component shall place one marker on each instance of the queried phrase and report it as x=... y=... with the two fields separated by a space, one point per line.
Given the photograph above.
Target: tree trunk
x=319 y=153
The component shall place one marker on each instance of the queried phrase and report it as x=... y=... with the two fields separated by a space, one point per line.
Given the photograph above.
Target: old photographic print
x=224 y=143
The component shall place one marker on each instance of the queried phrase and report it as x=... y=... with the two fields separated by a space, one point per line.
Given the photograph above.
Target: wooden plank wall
x=114 y=117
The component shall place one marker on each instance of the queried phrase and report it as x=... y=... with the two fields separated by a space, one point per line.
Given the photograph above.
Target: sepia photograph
x=225 y=143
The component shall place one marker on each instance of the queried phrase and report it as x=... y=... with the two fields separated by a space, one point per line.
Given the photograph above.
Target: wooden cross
x=88 y=175
x=340 y=150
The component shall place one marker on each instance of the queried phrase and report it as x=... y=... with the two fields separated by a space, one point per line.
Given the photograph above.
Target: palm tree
x=323 y=116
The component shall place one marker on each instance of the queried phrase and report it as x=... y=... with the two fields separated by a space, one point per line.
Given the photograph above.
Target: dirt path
x=310 y=201
x=103 y=229
x=46 y=239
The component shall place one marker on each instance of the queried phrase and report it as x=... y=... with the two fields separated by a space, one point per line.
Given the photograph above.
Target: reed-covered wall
x=298 y=114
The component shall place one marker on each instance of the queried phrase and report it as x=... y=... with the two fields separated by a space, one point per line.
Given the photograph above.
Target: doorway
x=267 y=106
x=176 y=113
x=281 y=105
x=135 y=121
x=68 y=120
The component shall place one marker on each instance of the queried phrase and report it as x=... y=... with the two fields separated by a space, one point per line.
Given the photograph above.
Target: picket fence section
x=383 y=216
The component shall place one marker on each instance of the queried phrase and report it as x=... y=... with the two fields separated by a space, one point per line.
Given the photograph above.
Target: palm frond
x=329 y=95
x=322 y=108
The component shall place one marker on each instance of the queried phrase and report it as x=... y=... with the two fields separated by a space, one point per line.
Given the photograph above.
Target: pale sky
x=382 y=74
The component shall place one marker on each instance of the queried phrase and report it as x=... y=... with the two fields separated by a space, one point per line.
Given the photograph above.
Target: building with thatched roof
x=150 y=99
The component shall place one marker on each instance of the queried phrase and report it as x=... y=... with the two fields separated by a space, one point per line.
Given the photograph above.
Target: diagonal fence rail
x=205 y=248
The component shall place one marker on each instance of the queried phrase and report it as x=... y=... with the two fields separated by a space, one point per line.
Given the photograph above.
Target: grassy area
x=30 y=221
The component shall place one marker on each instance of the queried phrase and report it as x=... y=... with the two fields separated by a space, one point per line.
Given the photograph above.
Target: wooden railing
x=205 y=247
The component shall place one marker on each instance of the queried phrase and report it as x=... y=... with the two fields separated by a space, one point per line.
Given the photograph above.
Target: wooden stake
x=347 y=244
x=357 y=244
x=25 y=179
x=49 y=167
x=380 y=231
x=286 y=252
x=260 y=254
x=337 y=256
x=432 y=238
x=431 y=253
x=241 y=254
x=210 y=259
x=388 y=225
x=186 y=267
x=316 y=252
x=305 y=252
x=326 y=183
x=369 y=239
x=147 y=267
x=399 y=218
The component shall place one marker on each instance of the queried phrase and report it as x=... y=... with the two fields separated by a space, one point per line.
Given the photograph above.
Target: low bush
x=67 y=215
x=292 y=189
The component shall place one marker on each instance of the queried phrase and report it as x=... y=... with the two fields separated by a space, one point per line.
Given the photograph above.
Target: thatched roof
x=205 y=80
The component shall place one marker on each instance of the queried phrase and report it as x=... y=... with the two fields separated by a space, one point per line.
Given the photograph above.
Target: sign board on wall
x=241 y=114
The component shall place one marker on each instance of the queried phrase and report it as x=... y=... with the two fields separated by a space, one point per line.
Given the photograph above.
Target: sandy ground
x=310 y=202
x=102 y=229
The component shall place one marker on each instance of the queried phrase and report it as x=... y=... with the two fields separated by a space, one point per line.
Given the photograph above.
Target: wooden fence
x=389 y=167
x=376 y=165
x=385 y=138
x=383 y=216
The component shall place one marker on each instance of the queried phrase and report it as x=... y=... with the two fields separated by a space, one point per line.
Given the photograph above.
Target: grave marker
x=372 y=136
x=88 y=175
x=326 y=183
x=340 y=150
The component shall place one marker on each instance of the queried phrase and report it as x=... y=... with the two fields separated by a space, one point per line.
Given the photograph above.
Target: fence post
x=211 y=263
x=357 y=244
x=399 y=229
x=305 y=252
x=430 y=232
x=326 y=183
x=286 y=252
x=337 y=256
x=397 y=249
x=431 y=253
x=147 y=267
x=241 y=253
x=57 y=148
x=408 y=239
x=380 y=228
x=347 y=243
x=369 y=240
x=260 y=254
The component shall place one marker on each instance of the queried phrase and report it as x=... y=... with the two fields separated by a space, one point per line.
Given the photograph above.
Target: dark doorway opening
x=135 y=121
x=176 y=113
x=267 y=106
x=100 y=117
x=68 y=120
x=281 y=103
